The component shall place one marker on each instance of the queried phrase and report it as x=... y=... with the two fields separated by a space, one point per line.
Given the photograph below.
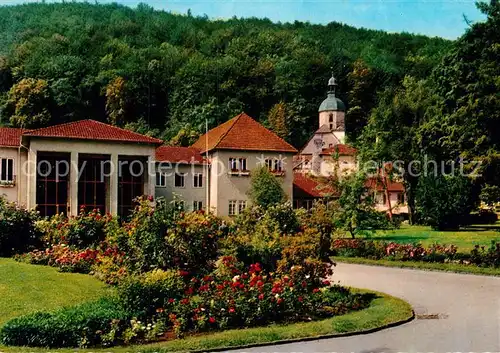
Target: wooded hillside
x=165 y=73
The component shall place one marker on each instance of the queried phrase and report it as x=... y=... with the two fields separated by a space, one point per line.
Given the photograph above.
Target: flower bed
x=227 y=298
x=376 y=250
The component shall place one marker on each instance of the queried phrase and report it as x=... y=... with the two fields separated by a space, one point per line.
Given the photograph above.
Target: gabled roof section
x=183 y=155
x=10 y=137
x=309 y=186
x=375 y=183
x=324 y=129
x=341 y=149
x=242 y=133
x=92 y=130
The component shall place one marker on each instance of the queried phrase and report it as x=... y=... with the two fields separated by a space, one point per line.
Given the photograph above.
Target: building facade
x=89 y=164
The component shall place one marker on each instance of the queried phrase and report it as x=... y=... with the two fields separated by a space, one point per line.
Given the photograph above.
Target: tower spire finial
x=332 y=83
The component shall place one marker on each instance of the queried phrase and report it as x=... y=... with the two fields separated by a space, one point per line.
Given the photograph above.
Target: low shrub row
x=480 y=255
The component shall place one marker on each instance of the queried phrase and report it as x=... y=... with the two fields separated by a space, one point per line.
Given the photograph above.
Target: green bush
x=145 y=294
x=18 y=233
x=78 y=326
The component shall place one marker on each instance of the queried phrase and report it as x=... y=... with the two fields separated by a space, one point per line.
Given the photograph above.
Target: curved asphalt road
x=468 y=306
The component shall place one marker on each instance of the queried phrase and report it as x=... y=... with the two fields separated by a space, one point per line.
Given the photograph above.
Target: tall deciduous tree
x=116 y=101
x=393 y=132
x=28 y=103
x=277 y=119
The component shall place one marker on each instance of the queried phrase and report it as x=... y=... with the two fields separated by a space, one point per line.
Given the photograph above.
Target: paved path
x=469 y=306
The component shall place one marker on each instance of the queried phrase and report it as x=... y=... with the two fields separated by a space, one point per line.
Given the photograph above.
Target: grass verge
x=465 y=239
x=27 y=288
x=384 y=311
x=429 y=266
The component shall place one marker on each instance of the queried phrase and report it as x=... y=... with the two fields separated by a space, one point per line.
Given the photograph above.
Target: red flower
x=171 y=300
x=184 y=301
x=304 y=284
x=183 y=273
x=231 y=310
x=211 y=320
x=326 y=282
x=300 y=299
x=315 y=290
x=261 y=296
x=279 y=301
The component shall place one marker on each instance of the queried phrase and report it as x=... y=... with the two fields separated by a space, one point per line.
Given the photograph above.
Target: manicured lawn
x=465 y=239
x=26 y=288
x=489 y=271
x=383 y=311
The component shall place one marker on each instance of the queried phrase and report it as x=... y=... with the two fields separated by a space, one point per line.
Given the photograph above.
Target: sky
x=443 y=18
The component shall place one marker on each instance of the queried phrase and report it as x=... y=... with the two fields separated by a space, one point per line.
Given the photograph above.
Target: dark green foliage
x=143 y=294
x=184 y=69
x=266 y=189
x=17 y=229
x=444 y=202
x=77 y=326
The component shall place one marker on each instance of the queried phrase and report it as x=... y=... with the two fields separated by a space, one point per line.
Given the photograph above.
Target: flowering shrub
x=87 y=229
x=68 y=259
x=231 y=298
x=487 y=257
x=17 y=229
x=194 y=239
x=480 y=255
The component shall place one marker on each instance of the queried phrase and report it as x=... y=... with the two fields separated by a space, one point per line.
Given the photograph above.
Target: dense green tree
x=265 y=189
x=466 y=123
x=28 y=103
x=393 y=134
x=444 y=202
x=354 y=210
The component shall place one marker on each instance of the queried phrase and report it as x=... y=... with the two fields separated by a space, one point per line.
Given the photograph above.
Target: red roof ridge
x=49 y=130
x=235 y=119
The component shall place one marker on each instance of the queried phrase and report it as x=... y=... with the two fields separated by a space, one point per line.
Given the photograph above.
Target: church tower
x=332 y=113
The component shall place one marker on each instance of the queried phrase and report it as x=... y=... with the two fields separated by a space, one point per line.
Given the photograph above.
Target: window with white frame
x=242 y=164
x=232 y=207
x=242 y=204
x=278 y=165
x=161 y=179
x=233 y=164
x=198 y=180
x=6 y=169
x=197 y=205
x=179 y=180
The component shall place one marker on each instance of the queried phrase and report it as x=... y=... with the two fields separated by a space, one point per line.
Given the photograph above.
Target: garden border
x=402 y=264
x=312 y=338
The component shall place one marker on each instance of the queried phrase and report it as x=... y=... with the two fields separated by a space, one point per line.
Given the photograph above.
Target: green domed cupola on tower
x=332 y=112
x=332 y=103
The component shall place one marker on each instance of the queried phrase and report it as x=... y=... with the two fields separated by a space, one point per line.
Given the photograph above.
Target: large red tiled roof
x=341 y=149
x=242 y=133
x=309 y=186
x=186 y=155
x=10 y=137
x=92 y=130
x=377 y=184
